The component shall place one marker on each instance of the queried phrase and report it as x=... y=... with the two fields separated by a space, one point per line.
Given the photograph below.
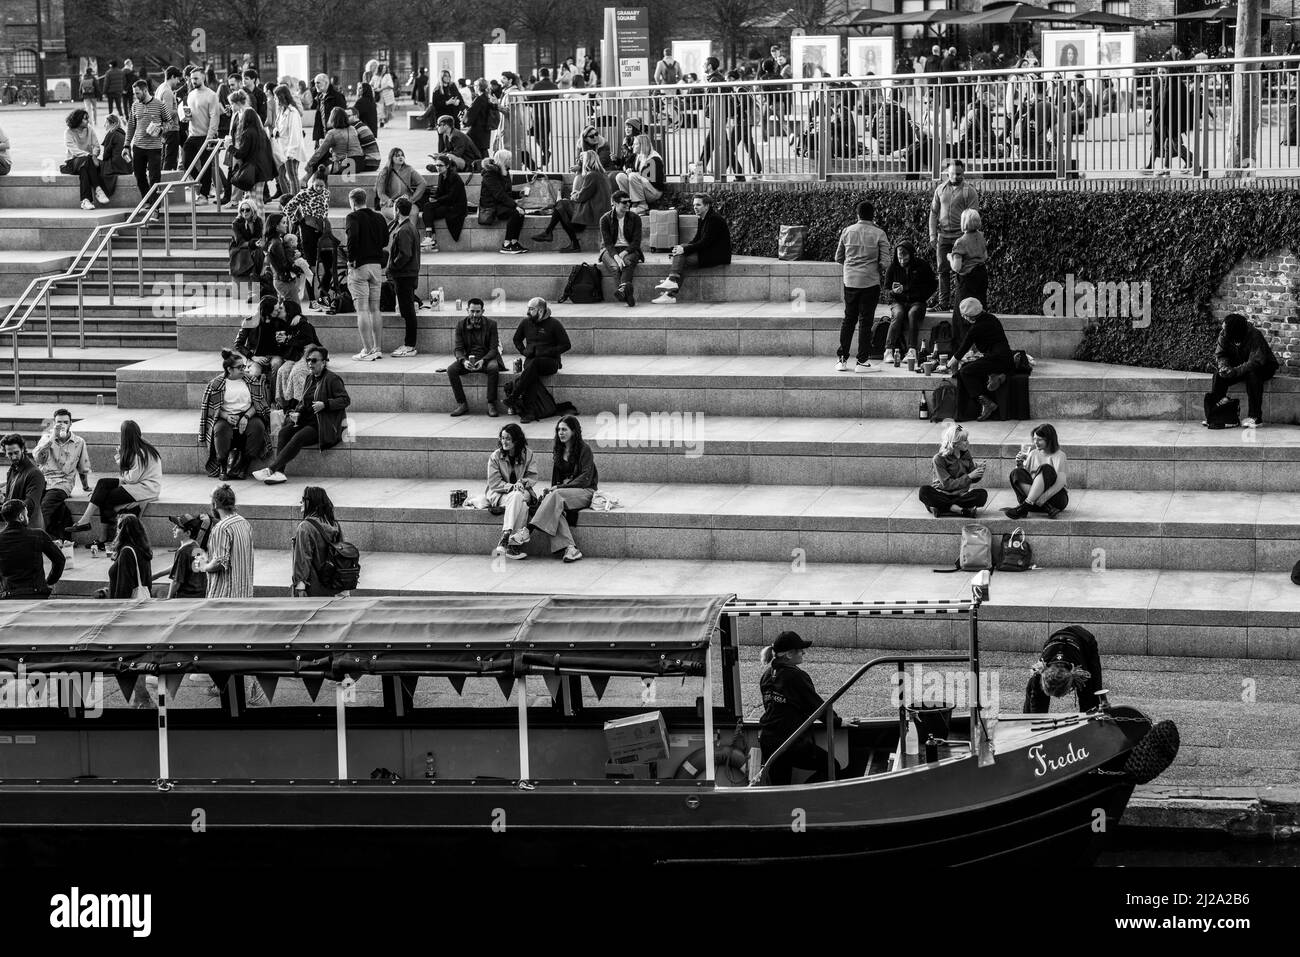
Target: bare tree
x=1246 y=87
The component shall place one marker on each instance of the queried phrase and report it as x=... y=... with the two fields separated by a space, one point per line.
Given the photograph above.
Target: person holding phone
x=144 y=136
x=62 y=457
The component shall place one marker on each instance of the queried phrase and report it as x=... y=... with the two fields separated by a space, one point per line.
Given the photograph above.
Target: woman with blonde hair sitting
x=590 y=201
x=645 y=182
x=954 y=475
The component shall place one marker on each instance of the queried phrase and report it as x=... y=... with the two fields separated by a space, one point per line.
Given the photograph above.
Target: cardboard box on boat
x=637 y=739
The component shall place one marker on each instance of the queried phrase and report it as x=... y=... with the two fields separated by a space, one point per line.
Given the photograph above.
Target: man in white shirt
x=203 y=110
x=61 y=456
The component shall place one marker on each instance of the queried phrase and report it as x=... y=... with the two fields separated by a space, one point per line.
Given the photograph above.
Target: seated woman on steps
x=573 y=485
x=511 y=477
x=954 y=477
x=139 y=482
x=234 y=422
x=590 y=201
x=1039 y=476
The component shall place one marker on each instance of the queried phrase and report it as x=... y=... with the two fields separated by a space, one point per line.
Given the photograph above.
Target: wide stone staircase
x=742 y=462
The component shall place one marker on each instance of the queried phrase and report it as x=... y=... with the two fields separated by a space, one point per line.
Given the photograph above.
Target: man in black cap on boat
x=1069 y=662
x=788 y=699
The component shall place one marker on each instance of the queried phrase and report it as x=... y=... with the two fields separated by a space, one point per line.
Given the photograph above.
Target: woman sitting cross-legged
x=511 y=477
x=139 y=481
x=573 y=484
x=235 y=419
x=318 y=420
x=954 y=477
x=1039 y=476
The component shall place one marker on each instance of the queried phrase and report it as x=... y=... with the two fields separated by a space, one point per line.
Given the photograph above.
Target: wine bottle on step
x=924 y=412
x=921 y=355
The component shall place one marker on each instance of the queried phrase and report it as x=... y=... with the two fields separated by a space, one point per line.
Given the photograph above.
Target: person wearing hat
x=1242 y=354
x=981 y=377
x=788 y=699
x=1069 y=662
x=192 y=530
x=626 y=157
x=456 y=149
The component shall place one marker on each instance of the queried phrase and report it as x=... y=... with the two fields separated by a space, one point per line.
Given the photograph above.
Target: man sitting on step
x=458 y=150
x=710 y=247
x=620 y=245
x=478 y=350
x=1242 y=355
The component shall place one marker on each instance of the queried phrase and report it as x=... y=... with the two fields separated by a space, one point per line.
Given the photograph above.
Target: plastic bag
x=790 y=243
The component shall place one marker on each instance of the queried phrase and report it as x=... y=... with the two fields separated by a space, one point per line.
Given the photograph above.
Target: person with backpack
x=316 y=540
x=1069 y=662
x=911 y=282
x=1242 y=354
x=982 y=377
x=954 y=476
x=620 y=246
x=1039 y=476
x=711 y=246
x=541 y=339
x=668 y=72
x=863 y=250
x=319 y=419
x=478 y=350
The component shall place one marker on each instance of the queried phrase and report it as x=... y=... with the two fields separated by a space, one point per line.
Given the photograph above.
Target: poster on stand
x=1115 y=49
x=813 y=57
x=871 y=56
x=293 y=63
x=632 y=29
x=691 y=54
x=446 y=56
x=500 y=58
x=1064 y=49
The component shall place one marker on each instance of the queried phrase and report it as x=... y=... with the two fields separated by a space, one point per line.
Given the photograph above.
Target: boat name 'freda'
x=1046 y=763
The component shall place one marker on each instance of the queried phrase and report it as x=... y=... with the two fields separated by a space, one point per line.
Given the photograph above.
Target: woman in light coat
x=287 y=143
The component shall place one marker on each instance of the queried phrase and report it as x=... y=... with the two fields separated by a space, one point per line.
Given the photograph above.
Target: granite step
x=1181 y=615
x=38 y=229
x=1102 y=529
x=732 y=450
x=747 y=385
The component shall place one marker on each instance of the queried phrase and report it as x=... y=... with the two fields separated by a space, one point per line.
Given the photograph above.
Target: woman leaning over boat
x=788 y=699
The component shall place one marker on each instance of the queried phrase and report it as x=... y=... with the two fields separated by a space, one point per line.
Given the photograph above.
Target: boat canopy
x=468 y=635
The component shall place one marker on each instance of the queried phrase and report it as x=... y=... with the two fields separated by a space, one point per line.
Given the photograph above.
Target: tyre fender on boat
x=1152 y=755
x=729 y=759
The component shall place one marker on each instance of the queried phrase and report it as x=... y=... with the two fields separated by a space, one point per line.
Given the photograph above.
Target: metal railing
x=100 y=242
x=1094 y=121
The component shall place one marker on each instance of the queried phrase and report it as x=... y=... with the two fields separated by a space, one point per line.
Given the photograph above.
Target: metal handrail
x=158 y=195
x=972 y=657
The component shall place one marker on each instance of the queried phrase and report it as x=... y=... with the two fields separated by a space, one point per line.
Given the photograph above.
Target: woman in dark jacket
x=573 y=484
x=911 y=280
x=254 y=161
x=1242 y=355
x=366 y=108
x=132 y=558
x=235 y=418
x=447 y=202
x=590 y=201
x=1069 y=662
x=479 y=120
x=319 y=419
x=340 y=145
x=1172 y=106
x=495 y=194
x=317 y=530
x=113 y=165
x=246 y=254
x=982 y=377
x=264 y=336
x=446 y=100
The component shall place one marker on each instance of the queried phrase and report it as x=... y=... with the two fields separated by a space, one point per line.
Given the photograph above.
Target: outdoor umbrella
x=923 y=17
x=1226 y=14
x=1103 y=19
x=1009 y=13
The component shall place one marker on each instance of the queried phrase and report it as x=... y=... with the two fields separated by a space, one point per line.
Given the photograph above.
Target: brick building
x=18 y=45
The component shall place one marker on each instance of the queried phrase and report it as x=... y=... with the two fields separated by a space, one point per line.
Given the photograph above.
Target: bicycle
x=18 y=91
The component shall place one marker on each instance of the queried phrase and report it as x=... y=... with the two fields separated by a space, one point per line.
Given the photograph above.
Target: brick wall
x=1267 y=291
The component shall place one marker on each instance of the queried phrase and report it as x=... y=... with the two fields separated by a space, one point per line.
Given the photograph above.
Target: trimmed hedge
x=1184 y=242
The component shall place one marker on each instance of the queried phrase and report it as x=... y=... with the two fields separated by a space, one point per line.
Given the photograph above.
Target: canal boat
x=555 y=776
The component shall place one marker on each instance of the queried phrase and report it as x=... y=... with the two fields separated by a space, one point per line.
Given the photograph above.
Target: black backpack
x=1226 y=416
x=943 y=401
x=342 y=568
x=583 y=285
x=879 y=338
x=1016 y=555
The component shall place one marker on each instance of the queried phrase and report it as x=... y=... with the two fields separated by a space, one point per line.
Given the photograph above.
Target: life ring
x=732 y=761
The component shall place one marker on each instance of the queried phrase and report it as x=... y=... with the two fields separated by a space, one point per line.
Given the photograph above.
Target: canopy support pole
x=709 y=770
x=521 y=691
x=164 y=758
x=341 y=728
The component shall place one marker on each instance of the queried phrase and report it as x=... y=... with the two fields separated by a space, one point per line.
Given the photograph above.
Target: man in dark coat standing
x=327 y=97
x=25 y=481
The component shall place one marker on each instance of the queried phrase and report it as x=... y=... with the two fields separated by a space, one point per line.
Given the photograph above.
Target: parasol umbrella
x=923 y=17
x=1103 y=19
x=1009 y=13
x=1227 y=13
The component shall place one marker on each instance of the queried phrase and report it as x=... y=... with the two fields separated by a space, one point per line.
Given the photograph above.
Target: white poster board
x=500 y=58
x=691 y=54
x=294 y=63
x=1064 y=49
x=871 y=56
x=446 y=56
x=813 y=57
x=1117 y=48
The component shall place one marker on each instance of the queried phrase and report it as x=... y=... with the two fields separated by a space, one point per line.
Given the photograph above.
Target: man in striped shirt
x=230 y=560
x=144 y=136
